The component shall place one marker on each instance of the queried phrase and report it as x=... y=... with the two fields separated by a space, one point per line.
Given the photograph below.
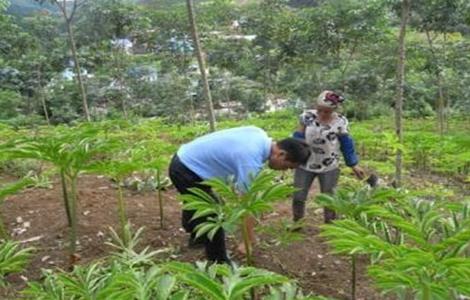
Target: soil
x=308 y=261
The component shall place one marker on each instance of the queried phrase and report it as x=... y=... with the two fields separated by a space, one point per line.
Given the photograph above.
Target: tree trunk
x=78 y=70
x=445 y=97
x=347 y=63
x=119 y=56
x=202 y=67
x=440 y=100
x=123 y=98
x=44 y=106
x=43 y=98
x=400 y=87
x=441 y=108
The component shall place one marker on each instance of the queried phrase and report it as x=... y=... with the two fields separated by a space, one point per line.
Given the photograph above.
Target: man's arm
x=245 y=174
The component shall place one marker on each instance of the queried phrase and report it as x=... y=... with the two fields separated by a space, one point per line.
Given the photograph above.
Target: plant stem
x=122 y=213
x=66 y=197
x=160 y=199
x=426 y=293
x=3 y=230
x=73 y=214
x=353 y=277
x=246 y=241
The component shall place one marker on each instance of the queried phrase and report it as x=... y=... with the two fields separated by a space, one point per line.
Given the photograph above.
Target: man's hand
x=359 y=172
x=241 y=249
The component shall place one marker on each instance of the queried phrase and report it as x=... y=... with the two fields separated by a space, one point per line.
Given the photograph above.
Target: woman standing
x=326 y=132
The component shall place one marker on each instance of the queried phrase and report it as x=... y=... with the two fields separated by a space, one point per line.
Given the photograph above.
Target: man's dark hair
x=297 y=150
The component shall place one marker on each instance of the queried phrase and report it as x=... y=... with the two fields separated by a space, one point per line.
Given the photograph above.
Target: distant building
x=9 y=74
x=69 y=73
x=123 y=44
x=194 y=71
x=235 y=25
x=273 y=105
x=222 y=35
x=247 y=37
x=144 y=73
x=277 y=104
x=181 y=46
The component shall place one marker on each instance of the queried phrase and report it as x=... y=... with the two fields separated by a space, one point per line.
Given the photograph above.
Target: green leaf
x=204 y=228
x=164 y=287
x=197 y=279
x=247 y=284
x=12 y=258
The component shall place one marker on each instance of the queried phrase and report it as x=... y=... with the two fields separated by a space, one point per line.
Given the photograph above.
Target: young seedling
x=158 y=183
x=70 y=152
x=351 y=203
x=282 y=233
x=232 y=209
x=223 y=282
x=428 y=263
x=154 y=153
x=118 y=170
x=119 y=279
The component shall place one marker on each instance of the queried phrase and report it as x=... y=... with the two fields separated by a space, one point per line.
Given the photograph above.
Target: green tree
x=438 y=18
x=106 y=20
x=10 y=104
x=68 y=13
x=43 y=59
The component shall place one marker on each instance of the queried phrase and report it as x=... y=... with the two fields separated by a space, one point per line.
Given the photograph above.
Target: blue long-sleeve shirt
x=239 y=152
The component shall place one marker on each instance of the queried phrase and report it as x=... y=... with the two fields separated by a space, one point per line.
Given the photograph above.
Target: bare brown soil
x=309 y=261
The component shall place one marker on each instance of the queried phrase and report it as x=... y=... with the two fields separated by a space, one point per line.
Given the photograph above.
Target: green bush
x=10 y=104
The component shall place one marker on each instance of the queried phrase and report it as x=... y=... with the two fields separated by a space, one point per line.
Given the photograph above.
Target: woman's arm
x=349 y=154
x=300 y=132
x=348 y=150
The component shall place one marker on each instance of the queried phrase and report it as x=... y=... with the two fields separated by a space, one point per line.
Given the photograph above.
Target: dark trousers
x=303 y=179
x=183 y=179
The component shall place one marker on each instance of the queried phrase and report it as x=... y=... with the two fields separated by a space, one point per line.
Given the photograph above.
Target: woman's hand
x=359 y=172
